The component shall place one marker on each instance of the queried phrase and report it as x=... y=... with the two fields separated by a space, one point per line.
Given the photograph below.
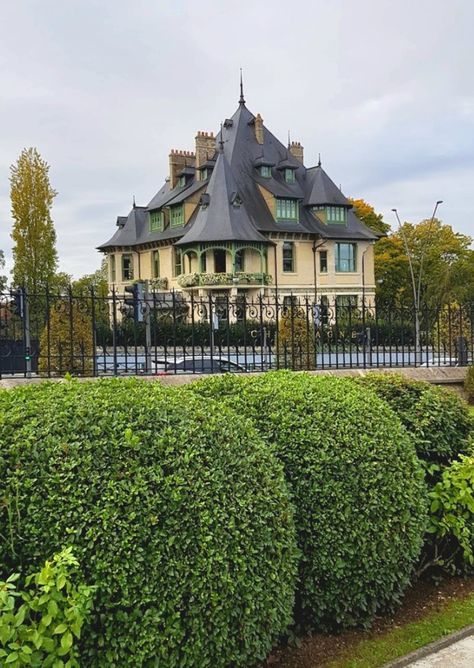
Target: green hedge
x=469 y=384
x=437 y=420
x=176 y=510
x=356 y=482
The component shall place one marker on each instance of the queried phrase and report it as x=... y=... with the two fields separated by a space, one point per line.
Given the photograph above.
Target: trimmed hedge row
x=439 y=422
x=360 y=499
x=176 y=510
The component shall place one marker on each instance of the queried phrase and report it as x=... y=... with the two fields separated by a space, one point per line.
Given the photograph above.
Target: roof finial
x=289 y=144
x=221 y=140
x=319 y=159
x=242 y=99
x=134 y=204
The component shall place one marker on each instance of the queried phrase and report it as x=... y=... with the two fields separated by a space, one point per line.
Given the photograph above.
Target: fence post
x=94 y=335
x=26 y=323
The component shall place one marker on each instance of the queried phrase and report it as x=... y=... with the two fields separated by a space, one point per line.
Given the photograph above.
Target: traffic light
x=134 y=305
x=17 y=303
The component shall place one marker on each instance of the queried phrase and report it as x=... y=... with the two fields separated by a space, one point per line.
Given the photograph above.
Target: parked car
x=198 y=364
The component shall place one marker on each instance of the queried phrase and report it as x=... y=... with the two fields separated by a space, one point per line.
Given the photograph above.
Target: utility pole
x=416 y=286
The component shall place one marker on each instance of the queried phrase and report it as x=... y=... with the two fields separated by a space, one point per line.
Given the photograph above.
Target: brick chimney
x=178 y=160
x=296 y=150
x=258 y=122
x=205 y=147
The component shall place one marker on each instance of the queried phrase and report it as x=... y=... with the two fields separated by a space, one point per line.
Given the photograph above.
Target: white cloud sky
x=105 y=88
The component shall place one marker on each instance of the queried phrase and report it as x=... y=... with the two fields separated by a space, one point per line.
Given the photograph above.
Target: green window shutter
x=156 y=220
x=177 y=216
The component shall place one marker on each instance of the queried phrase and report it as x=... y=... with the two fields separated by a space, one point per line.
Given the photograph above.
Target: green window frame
x=156 y=221
x=112 y=269
x=266 y=171
x=182 y=181
x=336 y=215
x=177 y=262
x=203 y=262
x=346 y=258
x=286 y=209
x=290 y=175
x=127 y=267
x=323 y=262
x=204 y=174
x=288 y=253
x=177 y=216
x=155 y=264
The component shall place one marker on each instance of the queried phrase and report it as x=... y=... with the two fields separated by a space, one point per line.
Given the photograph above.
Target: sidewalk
x=453 y=651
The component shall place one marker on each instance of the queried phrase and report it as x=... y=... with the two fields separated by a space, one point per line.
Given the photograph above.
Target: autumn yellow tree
x=367 y=214
x=296 y=340
x=66 y=345
x=34 y=238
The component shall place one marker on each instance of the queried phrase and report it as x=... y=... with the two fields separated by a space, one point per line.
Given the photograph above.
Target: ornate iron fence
x=88 y=334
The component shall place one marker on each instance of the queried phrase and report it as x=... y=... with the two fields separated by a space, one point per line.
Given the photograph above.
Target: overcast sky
x=105 y=88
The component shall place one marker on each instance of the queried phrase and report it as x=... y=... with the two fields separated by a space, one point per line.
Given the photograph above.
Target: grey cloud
x=104 y=88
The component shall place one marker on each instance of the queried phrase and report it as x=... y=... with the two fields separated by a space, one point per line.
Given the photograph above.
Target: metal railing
x=88 y=334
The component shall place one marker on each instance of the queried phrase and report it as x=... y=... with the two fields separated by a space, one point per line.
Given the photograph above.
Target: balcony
x=209 y=280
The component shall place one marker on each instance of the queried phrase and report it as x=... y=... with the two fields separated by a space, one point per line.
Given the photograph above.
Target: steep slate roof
x=218 y=216
x=236 y=170
x=322 y=190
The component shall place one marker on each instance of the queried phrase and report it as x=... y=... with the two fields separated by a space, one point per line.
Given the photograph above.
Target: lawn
x=428 y=613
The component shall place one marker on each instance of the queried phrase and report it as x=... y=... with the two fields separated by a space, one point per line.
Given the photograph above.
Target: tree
x=67 y=344
x=3 y=279
x=296 y=341
x=366 y=213
x=33 y=234
x=448 y=265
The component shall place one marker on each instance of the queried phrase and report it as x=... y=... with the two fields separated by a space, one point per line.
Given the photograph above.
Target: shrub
x=360 y=501
x=452 y=519
x=46 y=626
x=437 y=420
x=469 y=384
x=177 y=512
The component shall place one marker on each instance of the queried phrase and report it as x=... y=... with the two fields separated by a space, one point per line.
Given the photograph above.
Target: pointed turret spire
x=134 y=203
x=319 y=159
x=289 y=143
x=242 y=99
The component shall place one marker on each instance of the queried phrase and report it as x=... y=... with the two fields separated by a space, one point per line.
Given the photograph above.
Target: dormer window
x=336 y=215
x=204 y=174
x=289 y=175
x=332 y=215
x=286 y=209
x=235 y=200
x=177 y=216
x=182 y=181
x=156 y=221
x=266 y=171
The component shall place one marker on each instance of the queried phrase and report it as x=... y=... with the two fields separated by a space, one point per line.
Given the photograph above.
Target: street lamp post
x=416 y=285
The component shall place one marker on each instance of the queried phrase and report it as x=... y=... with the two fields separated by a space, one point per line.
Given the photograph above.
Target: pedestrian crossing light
x=134 y=305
